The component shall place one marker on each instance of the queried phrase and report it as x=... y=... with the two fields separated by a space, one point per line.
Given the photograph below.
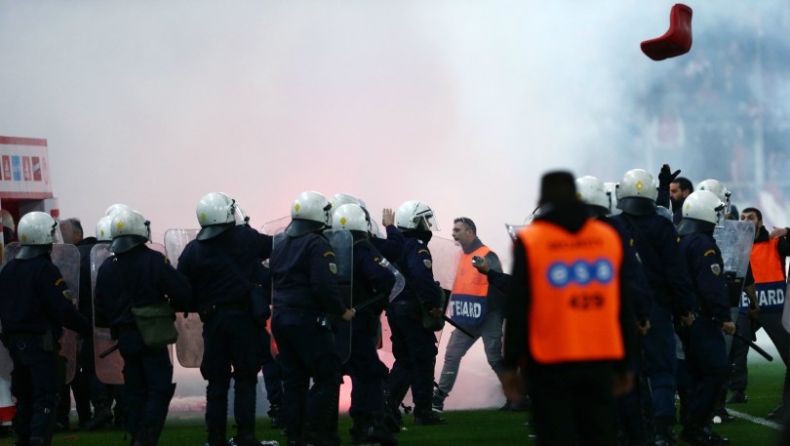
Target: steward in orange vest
x=569 y=326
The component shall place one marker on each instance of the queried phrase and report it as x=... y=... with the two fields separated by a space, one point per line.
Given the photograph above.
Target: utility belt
x=209 y=310
x=46 y=339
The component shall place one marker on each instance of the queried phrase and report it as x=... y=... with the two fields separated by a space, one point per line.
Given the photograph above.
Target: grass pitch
x=488 y=427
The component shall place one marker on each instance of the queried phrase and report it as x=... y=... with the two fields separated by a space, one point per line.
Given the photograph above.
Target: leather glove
x=666 y=177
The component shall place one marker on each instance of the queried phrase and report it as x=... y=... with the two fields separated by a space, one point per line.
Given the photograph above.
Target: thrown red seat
x=676 y=41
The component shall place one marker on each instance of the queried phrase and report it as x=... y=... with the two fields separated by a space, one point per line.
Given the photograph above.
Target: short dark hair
x=468 y=222
x=76 y=224
x=684 y=183
x=756 y=211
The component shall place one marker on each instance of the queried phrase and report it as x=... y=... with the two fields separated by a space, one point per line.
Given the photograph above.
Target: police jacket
x=658 y=245
x=416 y=265
x=34 y=298
x=304 y=279
x=223 y=269
x=634 y=275
x=136 y=278
x=570 y=216
x=392 y=246
x=372 y=278
x=706 y=268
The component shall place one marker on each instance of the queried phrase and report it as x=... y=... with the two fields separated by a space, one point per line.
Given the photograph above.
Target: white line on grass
x=755 y=420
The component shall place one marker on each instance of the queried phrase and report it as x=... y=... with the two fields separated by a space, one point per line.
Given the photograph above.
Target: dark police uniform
x=137 y=278
x=272 y=374
x=305 y=289
x=34 y=306
x=222 y=271
x=703 y=341
x=413 y=345
x=657 y=243
x=372 y=280
x=392 y=246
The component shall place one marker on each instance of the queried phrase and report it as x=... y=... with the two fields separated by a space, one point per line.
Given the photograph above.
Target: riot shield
x=513 y=230
x=67 y=259
x=446 y=254
x=343 y=246
x=735 y=240
x=109 y=369
x=189 y=346
x=275 y=227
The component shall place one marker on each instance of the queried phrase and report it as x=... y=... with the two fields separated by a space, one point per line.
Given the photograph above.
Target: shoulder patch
x=715 y=269
x=631 y=242
x=709 y=252
x=427 y=263
x=333 y=267
x=678 y=240
x=423 y=251
x=329 y=254
x=167 y=262
x=59 y=281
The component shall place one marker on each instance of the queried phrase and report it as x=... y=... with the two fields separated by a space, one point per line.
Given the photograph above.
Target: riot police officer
x=373 y=282
x=657 y=243
x=414 y=345
x=703 y=341
x=222 y=265
x=32 y=312
x=137 y=277
x=305 y=299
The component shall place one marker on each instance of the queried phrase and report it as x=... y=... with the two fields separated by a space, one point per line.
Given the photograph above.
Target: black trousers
x=572 y=404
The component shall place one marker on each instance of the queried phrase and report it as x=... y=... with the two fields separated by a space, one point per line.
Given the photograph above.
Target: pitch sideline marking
x=755 y=420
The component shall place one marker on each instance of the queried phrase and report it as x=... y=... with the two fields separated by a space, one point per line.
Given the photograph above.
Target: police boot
x=393 y=419
x=665 y=432
x=424 y=416
x=697 y=435
x=101 y=418
x=275 y=415
x=380 y=434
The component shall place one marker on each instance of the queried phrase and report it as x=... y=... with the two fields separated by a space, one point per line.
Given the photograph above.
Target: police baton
x=369 y=302
x=756 y=347
x=461 y=329
x=109 y=351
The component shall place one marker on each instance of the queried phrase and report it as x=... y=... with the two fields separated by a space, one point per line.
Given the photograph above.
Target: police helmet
x=636 y=193
x=216 y=214
x=103 y=232
x=310 y=212
x=128 y=229
x=591 y=191
x=414 y=214
x=36 y=232
x=702 y=211
x=351 y=217
x=115 y=208
x=611 y=190
x=717 y=188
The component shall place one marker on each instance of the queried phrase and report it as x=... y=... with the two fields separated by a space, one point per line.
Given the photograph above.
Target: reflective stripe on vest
x=769 y=277
x=467 y=302
x=574 y=280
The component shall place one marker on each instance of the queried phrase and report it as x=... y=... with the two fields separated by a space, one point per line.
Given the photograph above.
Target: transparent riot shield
x=513 y=230
x=189 y=346
x=109 y=369
x=446 y=254
x=67 y=259
x=275 y=227
x=343 y=246
x=735 y=240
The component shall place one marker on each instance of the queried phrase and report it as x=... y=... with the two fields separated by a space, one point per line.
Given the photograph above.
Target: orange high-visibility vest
x=469 y=281
x=467 y=303
x=769 y=277
x=574 y=281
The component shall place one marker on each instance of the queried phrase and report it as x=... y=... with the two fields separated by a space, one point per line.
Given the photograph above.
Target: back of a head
x=702 y=211
x=216 y=213
x=557 y=187
x=592 y=192
x=352 y=218
x=310 y=212
x=636 y=193
x=36 y=232
x=128 y=229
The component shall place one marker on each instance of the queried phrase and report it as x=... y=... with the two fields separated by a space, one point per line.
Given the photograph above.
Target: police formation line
x=604 y=287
